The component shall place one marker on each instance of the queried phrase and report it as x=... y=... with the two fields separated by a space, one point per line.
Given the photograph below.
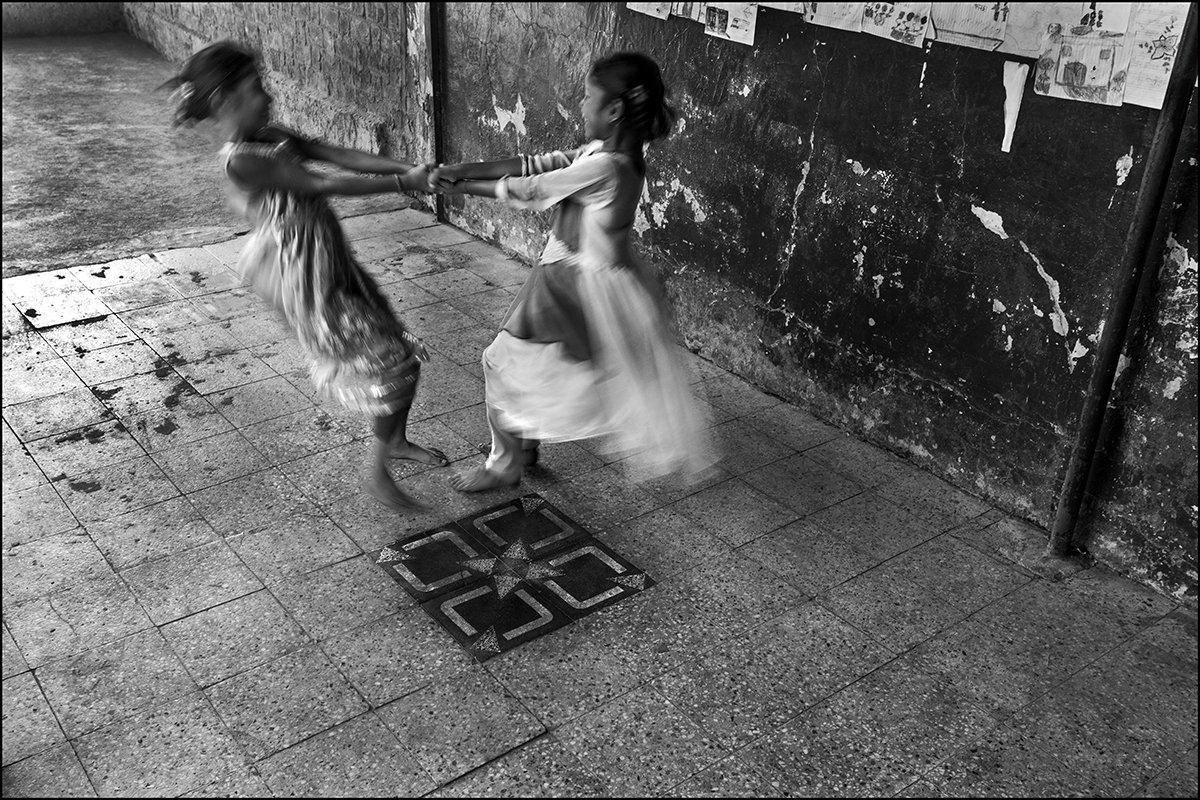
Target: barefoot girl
x=298 y=259
x=585 y=350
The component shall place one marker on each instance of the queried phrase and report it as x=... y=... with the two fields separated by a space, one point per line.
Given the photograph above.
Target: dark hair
x=217 y=68
x=636 y=79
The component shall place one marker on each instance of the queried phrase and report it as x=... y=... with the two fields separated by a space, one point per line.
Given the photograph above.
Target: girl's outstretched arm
x=265 y=173
x=345 y=157
x=522 y=165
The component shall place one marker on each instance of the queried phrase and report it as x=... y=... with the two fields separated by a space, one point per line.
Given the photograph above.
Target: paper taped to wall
x=656 y=10
x=1014 y=89
x=732 y=21
x=844 y=16
x=692 y=11
x=1086 y=62
x=1154 y=39
x=901 y=22
x=979 y=25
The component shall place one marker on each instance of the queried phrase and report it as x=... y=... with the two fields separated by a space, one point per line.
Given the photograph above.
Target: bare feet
x=385 y=490
x=424 y=455
x=480 y=480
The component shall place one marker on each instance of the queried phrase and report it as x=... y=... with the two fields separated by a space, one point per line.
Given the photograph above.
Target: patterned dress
x=298 y=260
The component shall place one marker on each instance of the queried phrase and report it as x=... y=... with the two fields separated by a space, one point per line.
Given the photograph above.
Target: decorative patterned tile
x=590 y=577
x=491 y=616
x=537 y=524
x=435 y=562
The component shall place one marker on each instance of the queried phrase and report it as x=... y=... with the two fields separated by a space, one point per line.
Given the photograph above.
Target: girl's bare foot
x=481 y=479
x=385 y=490
x=423 y=455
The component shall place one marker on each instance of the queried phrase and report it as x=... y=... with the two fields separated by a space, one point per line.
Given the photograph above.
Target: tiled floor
x=199 y=600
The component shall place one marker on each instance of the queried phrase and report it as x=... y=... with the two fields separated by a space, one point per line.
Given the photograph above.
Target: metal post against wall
x=437 y=76
x=1139 y=250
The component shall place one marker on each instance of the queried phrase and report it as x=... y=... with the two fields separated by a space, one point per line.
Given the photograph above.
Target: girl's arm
x=346 y=157
x=590 y=180
x=266 y=173
x=522 y=165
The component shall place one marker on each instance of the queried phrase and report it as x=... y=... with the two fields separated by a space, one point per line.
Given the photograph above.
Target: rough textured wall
x=59 y=19
x=1145 y=517
x=835 y=221
x=355 y=74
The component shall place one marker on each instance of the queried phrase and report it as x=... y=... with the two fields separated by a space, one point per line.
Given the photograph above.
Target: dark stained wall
x=60 y=19
x=1145 y=511
x=836 y=222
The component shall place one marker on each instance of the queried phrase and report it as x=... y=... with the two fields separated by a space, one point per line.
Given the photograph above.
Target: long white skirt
x=634 y=391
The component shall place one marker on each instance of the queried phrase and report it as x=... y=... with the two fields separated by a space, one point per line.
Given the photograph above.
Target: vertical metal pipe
x=437 y=77
x=1137 y=252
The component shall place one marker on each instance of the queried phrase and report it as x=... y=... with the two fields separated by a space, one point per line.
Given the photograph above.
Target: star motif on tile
x=388 y=556
x=531 y=504
x=484 y=565
x=505 y=584
x=487 y=642
x=538 y=570
x=517 y=551
x=635 y=581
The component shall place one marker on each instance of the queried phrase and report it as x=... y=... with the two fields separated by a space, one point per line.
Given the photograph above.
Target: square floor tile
x=143 y=294
x=160 y=753
x=233 y=637
x=35 y=381
x=537 y=524
x=49 y=564
x=29 y=724
x=396 y=655
x=207 y=462
x=456 y=726
x=80 y=337
x=190 y=419
x=35 y=512
x=112 y=682
x=224 y=371
x=640 y=745
x=194 y=343
x=184 y=583
x=84 y=449
x=489 y=617
x=14 y=662
x=52 y=773
x=50 y=310
x=359 y=758
x=46 y=416
x=802 y=484
x=285 y=701
x=116 y=489
x=121 y=272
x=21 y=470
x=341 y=596
x=86 y=614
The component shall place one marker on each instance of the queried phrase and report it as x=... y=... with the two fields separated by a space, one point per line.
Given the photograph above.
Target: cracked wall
x=835 y=221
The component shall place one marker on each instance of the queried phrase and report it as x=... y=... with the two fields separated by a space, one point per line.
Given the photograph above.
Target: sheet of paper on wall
x=1029 y=23
x=732 y=21
x=1083 y=63
x=656 y=10
x=1154 y=37
x=844 y=16
x=795 y=8
x=901 y=22
x=692 y=11
x=979 y=25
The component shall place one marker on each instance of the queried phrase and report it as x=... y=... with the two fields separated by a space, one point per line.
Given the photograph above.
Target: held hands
x=442 y=180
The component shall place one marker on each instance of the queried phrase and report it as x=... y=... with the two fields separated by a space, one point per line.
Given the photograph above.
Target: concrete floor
x=191 y=606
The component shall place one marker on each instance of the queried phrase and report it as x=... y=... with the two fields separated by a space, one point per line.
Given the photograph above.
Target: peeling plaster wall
x=1144 y=519
x=835 y=221
x=355 y=74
